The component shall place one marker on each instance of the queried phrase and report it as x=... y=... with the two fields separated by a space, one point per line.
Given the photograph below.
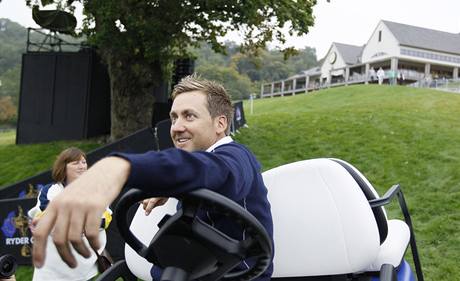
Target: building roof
x=316 y=70
x=350 y=53
x=425 y=38
x=312 y=71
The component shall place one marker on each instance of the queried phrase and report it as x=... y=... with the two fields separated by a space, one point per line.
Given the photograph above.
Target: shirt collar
x=222 y=141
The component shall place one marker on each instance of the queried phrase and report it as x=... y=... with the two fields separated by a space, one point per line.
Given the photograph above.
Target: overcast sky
x=343 y=21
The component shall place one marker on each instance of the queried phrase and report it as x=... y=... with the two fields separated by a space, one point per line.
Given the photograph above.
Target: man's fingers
x=60 y=236
x=76 y=234
x=40 y=234
x=63 y=248
x=163 y=201
x=93 y=222
x=150 y=203
x=145 y=203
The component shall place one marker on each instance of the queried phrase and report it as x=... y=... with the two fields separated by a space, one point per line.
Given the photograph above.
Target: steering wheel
x=187 y=247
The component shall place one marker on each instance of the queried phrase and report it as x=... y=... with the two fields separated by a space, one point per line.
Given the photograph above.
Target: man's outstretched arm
x=78 y=210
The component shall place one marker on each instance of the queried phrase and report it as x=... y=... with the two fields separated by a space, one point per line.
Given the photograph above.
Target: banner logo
x=238 y=114
x=31 y=191
x=8 y=227
x=19 y=224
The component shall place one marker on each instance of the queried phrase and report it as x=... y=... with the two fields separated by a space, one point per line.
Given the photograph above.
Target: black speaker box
x=64 y=95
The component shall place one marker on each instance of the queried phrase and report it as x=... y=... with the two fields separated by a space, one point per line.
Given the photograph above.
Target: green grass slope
x=22 y=161
x=7 y=137
x=392 y=135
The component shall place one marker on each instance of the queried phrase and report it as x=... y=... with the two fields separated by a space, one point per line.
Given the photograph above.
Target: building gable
x=381 y=45
x=332 y=60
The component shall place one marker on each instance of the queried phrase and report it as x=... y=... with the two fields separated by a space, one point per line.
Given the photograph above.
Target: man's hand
x=150 y=203
x=78 y=209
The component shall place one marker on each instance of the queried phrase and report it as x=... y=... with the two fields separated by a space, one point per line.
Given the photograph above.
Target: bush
x=8 y=112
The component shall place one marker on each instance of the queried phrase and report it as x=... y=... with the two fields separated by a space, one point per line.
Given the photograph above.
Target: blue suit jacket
x=231 y=170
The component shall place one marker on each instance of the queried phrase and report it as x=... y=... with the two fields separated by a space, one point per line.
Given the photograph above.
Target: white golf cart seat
x=324 y=224
x=145 y=228
x=328 y=221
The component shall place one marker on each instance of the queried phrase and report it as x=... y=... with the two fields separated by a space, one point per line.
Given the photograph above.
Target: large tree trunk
x=131 y=95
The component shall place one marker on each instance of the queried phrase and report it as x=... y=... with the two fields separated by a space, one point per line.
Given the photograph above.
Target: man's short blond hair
x=219 y=102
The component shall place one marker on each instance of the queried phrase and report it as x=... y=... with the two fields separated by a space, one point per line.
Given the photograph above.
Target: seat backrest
x=323 y=223
x=144 y=228
x=370 y=193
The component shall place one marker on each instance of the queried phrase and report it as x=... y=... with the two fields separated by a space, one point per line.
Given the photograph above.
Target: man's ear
x=221 y=124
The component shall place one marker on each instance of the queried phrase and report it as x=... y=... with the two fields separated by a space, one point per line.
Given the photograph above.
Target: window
x=429 y=55
x=380 y=36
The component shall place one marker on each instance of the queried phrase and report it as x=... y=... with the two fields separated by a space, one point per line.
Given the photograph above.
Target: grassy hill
x=392 y=134
x=23 y=161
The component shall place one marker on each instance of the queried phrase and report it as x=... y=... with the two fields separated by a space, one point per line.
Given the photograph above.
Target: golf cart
x=329 y=224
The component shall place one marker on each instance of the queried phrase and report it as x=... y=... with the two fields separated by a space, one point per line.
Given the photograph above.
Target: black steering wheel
x=187 y=248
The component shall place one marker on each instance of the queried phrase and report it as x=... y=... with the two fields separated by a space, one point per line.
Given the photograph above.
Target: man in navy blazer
x=205 y=157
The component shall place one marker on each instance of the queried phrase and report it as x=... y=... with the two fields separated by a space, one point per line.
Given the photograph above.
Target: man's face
x=192 y=127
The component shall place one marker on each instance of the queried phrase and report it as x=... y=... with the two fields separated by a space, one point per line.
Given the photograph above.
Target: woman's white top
x=54 y=268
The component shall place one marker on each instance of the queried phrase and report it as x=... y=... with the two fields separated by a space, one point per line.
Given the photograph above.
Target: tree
x=7 y=110
x=12 y=44
x=272 y=65
x=238 y=86
x=139 y=40
x=10 y=83
x=204 y=55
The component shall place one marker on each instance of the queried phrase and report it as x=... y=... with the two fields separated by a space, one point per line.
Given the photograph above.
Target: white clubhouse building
x=409 y=52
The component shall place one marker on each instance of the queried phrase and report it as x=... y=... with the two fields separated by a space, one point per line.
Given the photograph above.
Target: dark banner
x=238 y=116
x=27 y=188
x=15 y=237
x=138 y=142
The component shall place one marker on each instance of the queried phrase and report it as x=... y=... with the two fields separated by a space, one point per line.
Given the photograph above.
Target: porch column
x=272 y=90
x=394 y=71
x=427 y=69
x=366 y=79
x=282 y=88
x=455 y=73
x=347 y=75
x=262 y=90
x=307 y=81
x=394 y=64
x=294 y=82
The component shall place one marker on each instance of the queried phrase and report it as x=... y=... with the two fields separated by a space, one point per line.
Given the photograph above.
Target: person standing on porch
x=380 y=75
